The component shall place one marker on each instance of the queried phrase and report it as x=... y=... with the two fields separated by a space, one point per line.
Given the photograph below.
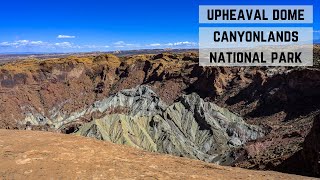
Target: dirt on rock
x=43 y=155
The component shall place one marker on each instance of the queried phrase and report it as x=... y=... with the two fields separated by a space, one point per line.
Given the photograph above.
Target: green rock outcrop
x=190 y=127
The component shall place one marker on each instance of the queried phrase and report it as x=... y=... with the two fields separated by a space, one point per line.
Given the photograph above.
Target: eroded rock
x=189 y=127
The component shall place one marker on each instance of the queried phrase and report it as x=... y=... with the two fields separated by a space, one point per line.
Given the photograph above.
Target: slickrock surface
x=43 y=155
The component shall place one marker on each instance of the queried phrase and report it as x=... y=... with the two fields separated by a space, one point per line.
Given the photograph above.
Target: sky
x=108 y=25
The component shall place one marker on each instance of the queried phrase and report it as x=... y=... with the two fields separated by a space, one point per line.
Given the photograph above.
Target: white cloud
x=119 y=43
x=64 y=44
x=95 y=46
x=22 y=43
x=55 y=46
x=37 y=42
x=122 y=44
x=65 y=37
x=41 y=45
x=154 y=45
x=3 y=44
x=28 y=43
x=316 y=31
x=182 y=43
x=174 y=44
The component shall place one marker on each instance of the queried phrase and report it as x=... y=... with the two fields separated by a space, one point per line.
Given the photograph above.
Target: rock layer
x=189 y=127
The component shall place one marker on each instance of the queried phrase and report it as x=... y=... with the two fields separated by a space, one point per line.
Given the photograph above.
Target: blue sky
x=101 y=25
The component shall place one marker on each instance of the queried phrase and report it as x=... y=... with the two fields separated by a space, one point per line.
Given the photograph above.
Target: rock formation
x=189 y=127
x=311 y=150
x=167 y=100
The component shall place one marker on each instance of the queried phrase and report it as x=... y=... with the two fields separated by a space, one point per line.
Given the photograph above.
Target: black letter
x=210 y=16
x=295 y=36
x=216 y=36
x=212 y=57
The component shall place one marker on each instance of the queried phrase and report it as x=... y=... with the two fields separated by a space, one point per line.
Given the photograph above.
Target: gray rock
x=189 y=127
x=137 y=117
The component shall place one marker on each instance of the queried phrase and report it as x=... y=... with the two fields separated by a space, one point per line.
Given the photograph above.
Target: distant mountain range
x=10 y=56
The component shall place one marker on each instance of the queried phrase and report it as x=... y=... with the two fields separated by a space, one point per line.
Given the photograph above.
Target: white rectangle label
x=252 y=46
x=256 y=14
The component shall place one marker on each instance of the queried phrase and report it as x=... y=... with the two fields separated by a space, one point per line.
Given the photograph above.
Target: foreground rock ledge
x=39 y=155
